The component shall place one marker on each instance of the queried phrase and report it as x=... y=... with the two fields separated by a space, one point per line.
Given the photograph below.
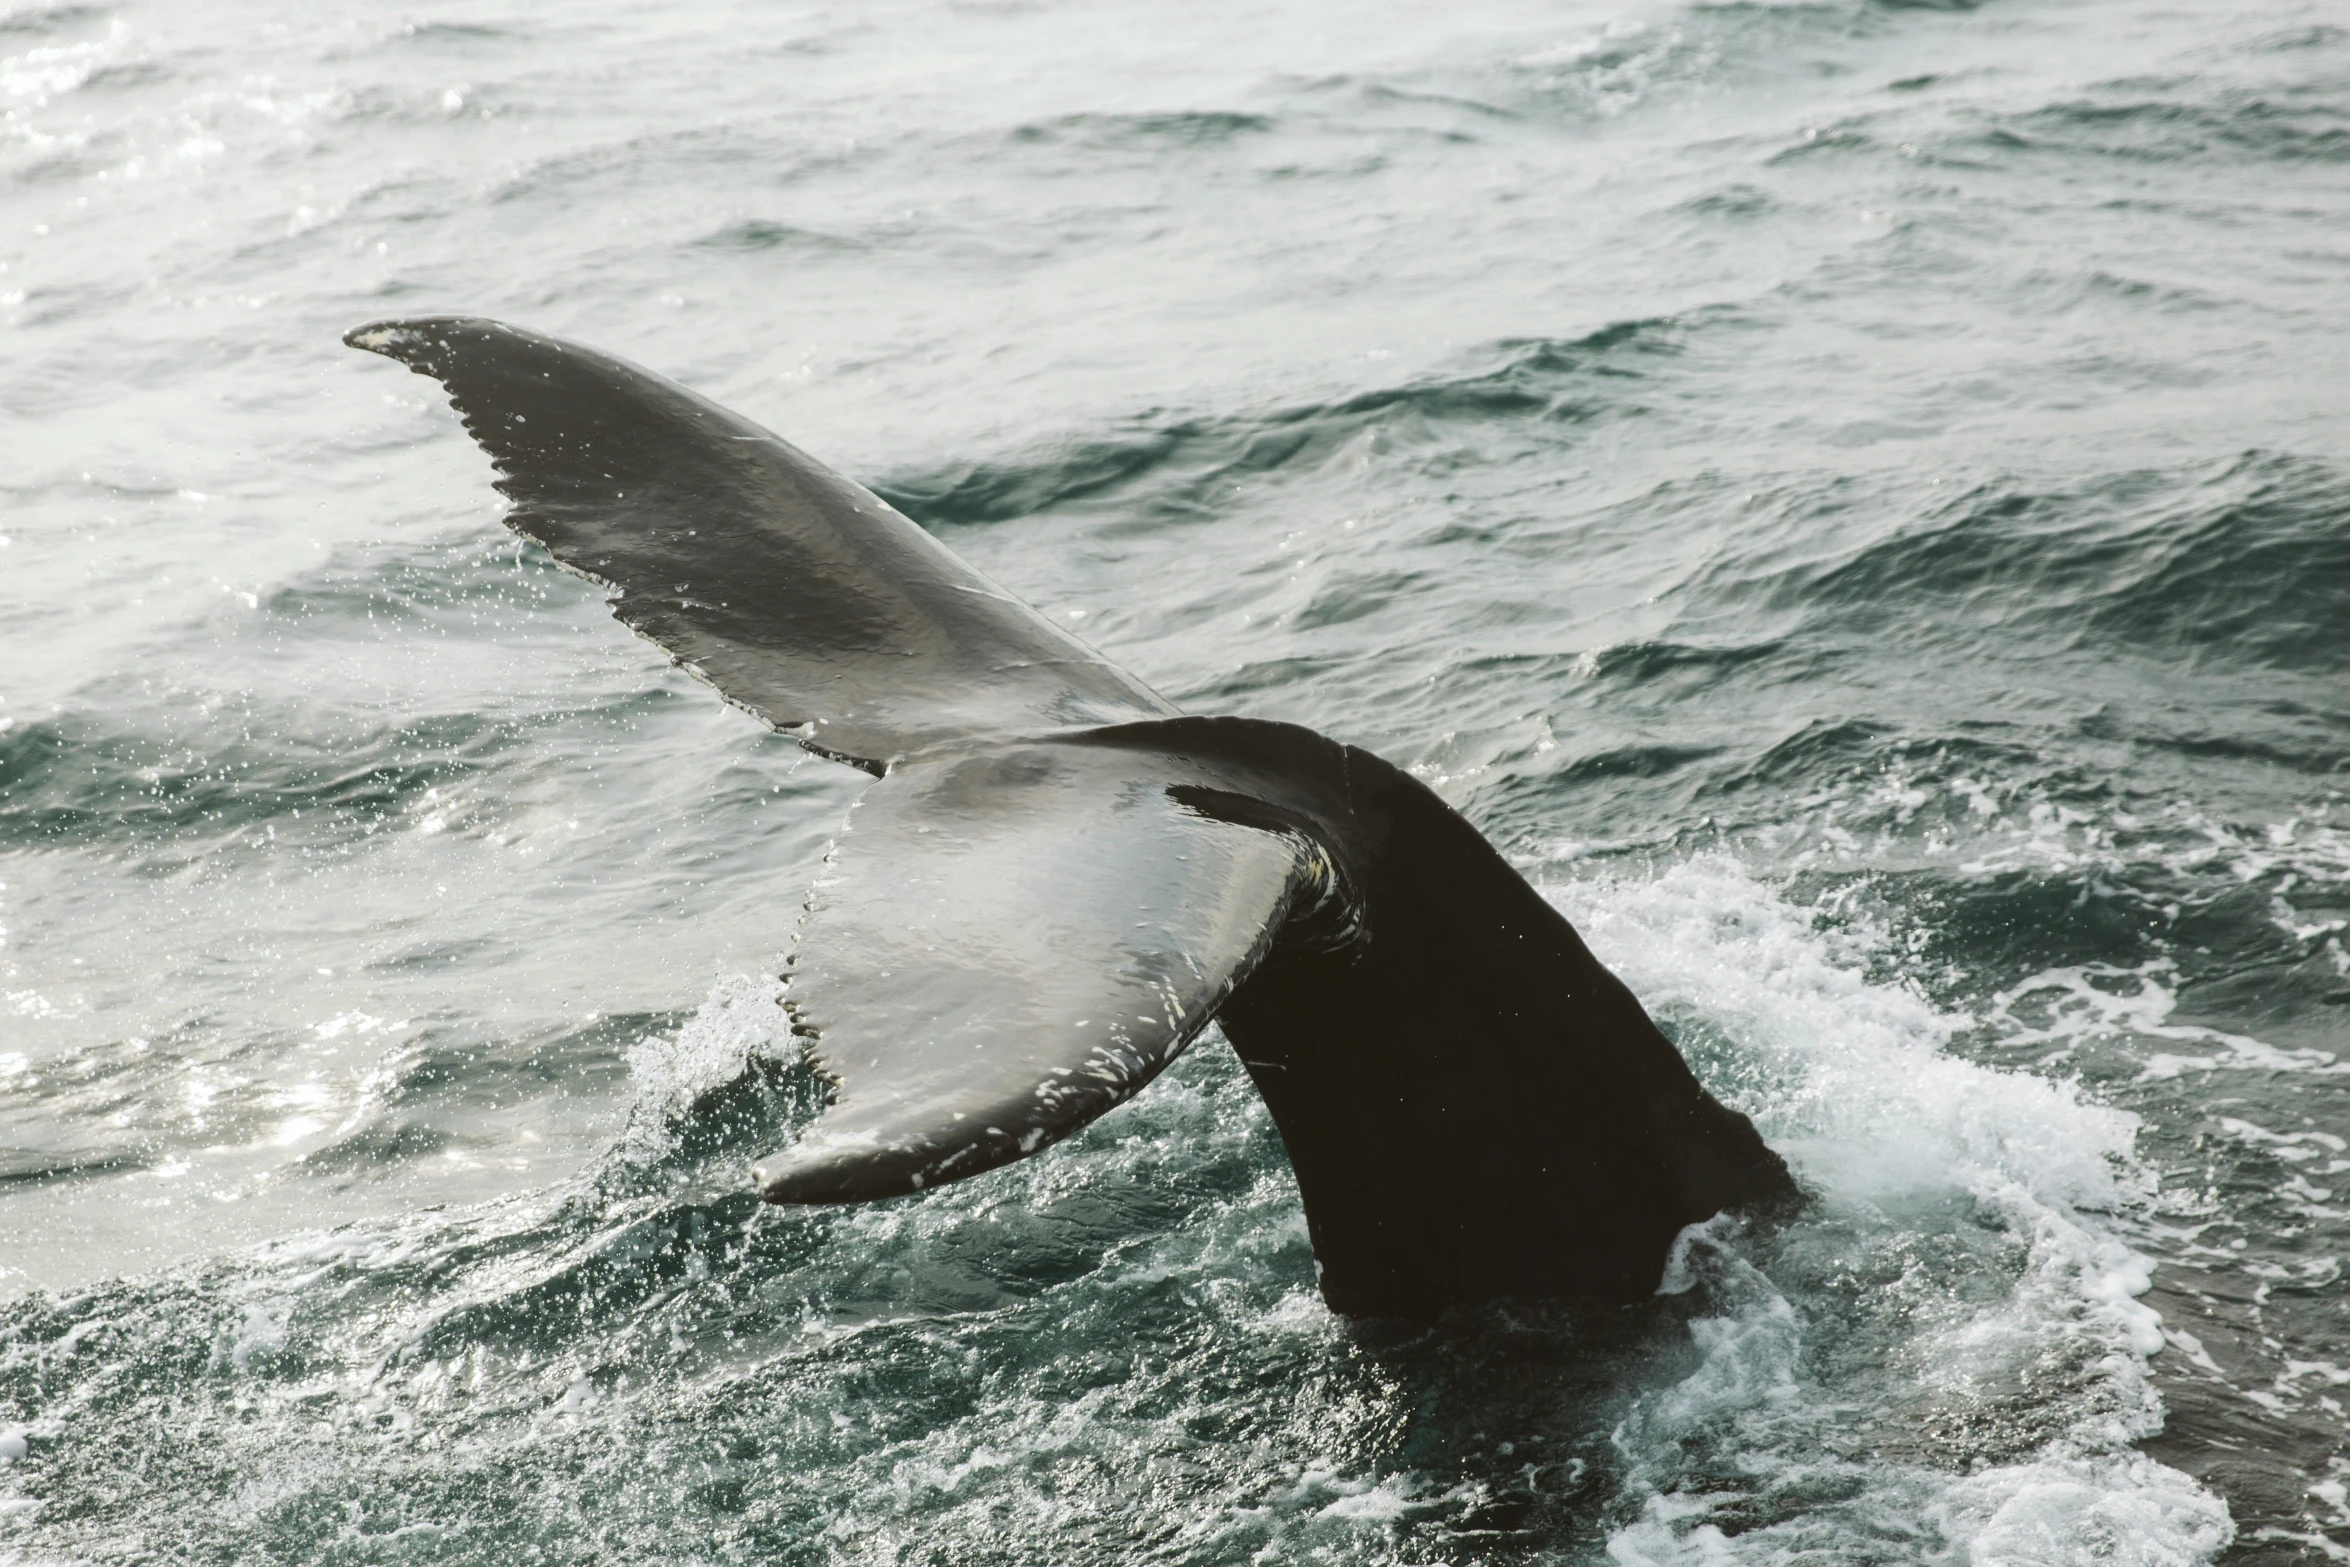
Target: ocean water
x=1850 y=495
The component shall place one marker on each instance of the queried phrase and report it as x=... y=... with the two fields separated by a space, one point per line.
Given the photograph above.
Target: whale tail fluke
x=801 y=595
x=1058 y=882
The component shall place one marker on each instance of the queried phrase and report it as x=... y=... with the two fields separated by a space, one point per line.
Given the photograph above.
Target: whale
x=1057 y=880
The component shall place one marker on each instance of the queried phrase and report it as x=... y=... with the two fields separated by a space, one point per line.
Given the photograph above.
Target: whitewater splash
x=1947 y=1448
x=1944 y=1357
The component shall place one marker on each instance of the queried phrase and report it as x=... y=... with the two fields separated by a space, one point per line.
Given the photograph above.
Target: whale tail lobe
x=1058 y=881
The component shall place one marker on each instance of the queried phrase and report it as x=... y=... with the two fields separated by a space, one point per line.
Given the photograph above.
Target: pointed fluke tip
x=824 y=1168
x=395 y=339
x=809 y=1182
x=864 y=1164
x=377 y=337
x=405 y=342
x=412 y=341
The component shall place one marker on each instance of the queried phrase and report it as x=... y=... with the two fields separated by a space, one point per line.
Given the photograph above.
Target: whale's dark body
x=1058 y=879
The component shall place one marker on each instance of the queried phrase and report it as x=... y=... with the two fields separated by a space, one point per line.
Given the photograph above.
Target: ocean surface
x=1852 y=496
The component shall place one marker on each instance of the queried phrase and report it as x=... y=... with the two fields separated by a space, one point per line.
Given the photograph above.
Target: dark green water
x=1851 y=496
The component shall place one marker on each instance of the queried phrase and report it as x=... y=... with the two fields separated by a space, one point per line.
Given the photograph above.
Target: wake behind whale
x=1059 y=880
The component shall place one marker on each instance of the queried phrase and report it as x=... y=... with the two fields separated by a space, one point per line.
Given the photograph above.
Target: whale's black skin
x=1058 y=880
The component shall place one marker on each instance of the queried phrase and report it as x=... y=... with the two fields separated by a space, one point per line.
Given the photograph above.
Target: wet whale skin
x=1058 y=880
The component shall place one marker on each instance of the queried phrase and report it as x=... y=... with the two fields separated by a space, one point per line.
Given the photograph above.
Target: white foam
x=1851 y=1077
x=30 y=1003
x=2121 y=1508
x=261 y=1334
x=50 y=71
x=739 y=1020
